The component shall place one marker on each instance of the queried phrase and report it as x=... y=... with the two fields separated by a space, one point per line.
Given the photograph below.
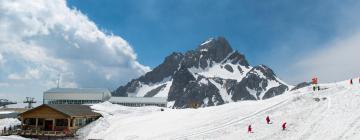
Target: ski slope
x=333 y=113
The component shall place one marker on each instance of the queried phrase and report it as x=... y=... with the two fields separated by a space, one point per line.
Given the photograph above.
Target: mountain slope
x=212 y=74
x=333 y=113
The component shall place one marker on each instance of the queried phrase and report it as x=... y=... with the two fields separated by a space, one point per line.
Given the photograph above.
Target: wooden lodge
x=55 y=120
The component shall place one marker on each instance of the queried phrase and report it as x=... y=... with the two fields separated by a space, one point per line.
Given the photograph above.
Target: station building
x=139 y=101
x=96 y=95
x=76 y=95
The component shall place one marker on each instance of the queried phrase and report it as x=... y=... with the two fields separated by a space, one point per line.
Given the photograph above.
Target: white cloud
x=32 y=74
x=335 y=58
x=4 y=84
x=40 y=39
x=2 y=60
x=336 y=61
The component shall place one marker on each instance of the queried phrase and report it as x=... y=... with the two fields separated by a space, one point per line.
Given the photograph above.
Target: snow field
x=333 y=113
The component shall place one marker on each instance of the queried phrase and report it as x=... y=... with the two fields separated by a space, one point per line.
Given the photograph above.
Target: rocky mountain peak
x=212 y=74
x=217 y=48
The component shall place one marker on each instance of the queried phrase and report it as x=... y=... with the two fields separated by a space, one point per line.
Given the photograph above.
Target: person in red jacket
x=249 y=129
x=267 y=119
x=283 y=126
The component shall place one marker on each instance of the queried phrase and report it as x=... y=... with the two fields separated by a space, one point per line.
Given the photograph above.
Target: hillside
x=333 y=113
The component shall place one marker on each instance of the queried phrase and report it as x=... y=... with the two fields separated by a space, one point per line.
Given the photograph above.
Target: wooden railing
x=38 y=133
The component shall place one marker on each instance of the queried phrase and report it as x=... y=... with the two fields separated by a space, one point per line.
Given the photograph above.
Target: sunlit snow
x=332 y=113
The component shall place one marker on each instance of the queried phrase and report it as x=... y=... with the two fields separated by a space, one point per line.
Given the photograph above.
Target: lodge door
x=48 y=125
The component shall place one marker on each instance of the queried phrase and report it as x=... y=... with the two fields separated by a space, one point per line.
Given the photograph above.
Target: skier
x=284 y=126
x=351 y=82
x=318 y=88
x=249 y=129
x=268 y=120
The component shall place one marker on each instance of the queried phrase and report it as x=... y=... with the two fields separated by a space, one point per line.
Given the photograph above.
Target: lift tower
x=30 y=101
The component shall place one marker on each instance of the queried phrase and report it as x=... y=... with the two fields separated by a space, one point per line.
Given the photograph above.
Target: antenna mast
x=58 y=81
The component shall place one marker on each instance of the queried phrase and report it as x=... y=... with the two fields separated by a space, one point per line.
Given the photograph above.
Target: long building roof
x=77 y=90
x=138 y=100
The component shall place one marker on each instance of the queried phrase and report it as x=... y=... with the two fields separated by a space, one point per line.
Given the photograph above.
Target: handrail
x=34 y=132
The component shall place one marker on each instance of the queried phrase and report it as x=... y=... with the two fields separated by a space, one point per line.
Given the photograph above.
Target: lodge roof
x=69 y=109
x=74 y=109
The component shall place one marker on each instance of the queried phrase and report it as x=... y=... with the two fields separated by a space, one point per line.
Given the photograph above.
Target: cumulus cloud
x=40 y=39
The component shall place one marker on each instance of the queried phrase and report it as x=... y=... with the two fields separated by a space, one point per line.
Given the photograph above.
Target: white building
x=76 y=95
x=139 y=101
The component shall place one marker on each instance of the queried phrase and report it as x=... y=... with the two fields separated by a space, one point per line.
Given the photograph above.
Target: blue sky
x=106 y=43
x=275 y=33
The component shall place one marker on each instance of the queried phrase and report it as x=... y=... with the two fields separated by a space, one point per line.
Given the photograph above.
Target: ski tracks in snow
x=308 y=133
x=234 y=121
x=354 y=126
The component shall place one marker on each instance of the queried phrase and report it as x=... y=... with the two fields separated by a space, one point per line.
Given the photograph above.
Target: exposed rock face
x=212 y=74
x=301 y=85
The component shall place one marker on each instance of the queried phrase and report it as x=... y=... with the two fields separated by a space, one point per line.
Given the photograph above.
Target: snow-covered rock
x=212 y=74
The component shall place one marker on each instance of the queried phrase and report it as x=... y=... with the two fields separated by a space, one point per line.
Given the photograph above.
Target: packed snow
x=223 y=93
x=6 y=112
x=207 y=41
x=145 y=88
x=271 y=84
x=332 y=113
x=218 y=70
x=7 y=122
x=165 y=91
x=204 y=81
x=13 y=137
x=252 y=92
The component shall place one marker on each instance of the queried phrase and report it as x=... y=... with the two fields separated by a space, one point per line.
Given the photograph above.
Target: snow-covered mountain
x=212 y=74
x=332 y=113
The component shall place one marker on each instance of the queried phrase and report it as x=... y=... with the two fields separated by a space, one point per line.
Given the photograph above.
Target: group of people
x=314 y=82
x=8 y=129
x=283 y=126
x=351 y=82
x=316 y=88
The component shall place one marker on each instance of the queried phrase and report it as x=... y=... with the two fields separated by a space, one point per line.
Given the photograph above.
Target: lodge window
x=89 y=120
x=61 y=122
x=41 y=121
x=80 y=122
x=30 y=121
